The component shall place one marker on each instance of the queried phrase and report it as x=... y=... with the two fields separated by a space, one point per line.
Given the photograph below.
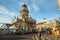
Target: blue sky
x=38 y=9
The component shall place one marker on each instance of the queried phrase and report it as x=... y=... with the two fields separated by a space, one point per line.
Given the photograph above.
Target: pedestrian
x=58 y=33
x=39 y=34
x=55 y=31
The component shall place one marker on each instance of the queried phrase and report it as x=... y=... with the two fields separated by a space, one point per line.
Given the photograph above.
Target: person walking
x=58 y=33
x=39 y=34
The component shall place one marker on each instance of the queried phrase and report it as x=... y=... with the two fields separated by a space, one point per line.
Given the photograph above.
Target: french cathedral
x=24 y=22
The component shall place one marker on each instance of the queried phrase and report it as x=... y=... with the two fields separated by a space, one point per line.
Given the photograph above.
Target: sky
x=38 y=9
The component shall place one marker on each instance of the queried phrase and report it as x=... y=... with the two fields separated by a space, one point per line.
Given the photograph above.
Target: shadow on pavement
x=11 y=37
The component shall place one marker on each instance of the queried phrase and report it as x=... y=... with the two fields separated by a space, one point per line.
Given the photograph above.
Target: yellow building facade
x=48 y=24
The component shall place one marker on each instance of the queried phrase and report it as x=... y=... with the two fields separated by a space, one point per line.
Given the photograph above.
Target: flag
x=59 y=4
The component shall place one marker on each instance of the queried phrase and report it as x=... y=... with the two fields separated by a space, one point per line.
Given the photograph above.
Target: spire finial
x=24 y=5
x=14 y=17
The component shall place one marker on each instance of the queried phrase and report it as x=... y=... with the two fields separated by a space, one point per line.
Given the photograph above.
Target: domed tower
x=14 y=20
x=24 y=11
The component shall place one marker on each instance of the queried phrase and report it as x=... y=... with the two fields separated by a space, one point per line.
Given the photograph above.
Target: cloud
x=7 y=15
x=5 y=11
x=29 y=8
x=5 y=20
x=17 y=2
x=35 y=7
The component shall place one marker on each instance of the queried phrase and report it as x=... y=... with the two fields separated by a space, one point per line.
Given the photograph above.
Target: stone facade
x=24 y=22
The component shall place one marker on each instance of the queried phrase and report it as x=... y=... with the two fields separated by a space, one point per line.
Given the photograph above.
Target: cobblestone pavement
x=28 y=37
x=17 y=37
x=47 y=37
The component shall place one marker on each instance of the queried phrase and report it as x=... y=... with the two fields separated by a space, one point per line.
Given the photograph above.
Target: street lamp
x=44 y=22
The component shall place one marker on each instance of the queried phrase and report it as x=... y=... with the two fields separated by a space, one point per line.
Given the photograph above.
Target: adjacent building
x=48 y=24
x=39 y=25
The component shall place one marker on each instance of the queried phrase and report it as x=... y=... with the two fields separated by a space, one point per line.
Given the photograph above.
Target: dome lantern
x=24 y=11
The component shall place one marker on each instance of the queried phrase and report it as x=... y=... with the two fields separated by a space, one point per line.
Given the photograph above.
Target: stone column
x=29 y=26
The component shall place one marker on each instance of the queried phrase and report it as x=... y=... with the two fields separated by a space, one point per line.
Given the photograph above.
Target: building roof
x=24 y=5
x=24 y=8
x=40 y=23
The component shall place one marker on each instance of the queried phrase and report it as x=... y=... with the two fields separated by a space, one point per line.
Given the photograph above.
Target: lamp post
x=44 y=22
